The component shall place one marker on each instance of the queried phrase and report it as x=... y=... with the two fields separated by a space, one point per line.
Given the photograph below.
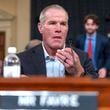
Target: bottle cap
x=11 y=49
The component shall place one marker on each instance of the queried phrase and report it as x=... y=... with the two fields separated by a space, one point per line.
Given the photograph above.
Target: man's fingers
x=68 y=57
x=66 y=54
x=65 y=58
x=60 y=56
x=64 y=62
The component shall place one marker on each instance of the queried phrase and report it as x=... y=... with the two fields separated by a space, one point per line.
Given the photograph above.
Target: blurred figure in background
x=1 y=67
x=96 y=45
x=32 y=43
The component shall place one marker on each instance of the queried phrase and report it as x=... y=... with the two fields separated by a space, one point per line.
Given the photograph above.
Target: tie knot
x=89 y=38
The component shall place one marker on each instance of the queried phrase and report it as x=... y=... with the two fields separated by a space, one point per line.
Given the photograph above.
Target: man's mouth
x=57 y=37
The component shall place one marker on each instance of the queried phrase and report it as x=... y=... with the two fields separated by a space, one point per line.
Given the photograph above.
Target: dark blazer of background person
x=102 y=50
x=33 y=62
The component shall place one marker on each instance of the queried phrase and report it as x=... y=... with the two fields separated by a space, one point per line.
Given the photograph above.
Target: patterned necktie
x=90 y=47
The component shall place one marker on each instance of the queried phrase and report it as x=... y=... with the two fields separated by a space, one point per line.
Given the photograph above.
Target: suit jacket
x=33 y=62
x=102 y=50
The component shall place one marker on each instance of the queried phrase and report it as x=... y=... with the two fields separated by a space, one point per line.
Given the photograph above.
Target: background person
x=96 y=45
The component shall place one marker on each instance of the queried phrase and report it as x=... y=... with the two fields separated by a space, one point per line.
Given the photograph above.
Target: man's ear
x=40 y=27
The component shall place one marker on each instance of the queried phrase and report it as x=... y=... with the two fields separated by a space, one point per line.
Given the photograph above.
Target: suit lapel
x=97 y=45
x=39 y=60
x=97 y=50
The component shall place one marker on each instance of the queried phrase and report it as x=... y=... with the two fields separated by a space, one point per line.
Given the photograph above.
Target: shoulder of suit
x=32 y=50
x=103 y=38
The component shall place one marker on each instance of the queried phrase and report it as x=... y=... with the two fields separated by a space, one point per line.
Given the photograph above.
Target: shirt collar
x=45 y=52
x=93 y=36
x=47 y=56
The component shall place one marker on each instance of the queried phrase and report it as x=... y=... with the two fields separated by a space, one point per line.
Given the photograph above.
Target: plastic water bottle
x=11 y=64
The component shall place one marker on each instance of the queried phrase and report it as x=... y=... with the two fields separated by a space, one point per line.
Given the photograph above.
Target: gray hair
x=42 y=16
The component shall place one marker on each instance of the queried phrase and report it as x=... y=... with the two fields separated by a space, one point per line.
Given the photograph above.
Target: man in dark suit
x=95 y=44
x=52 y=58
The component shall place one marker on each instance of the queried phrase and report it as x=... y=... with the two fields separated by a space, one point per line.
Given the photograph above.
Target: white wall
x=19 y=33
x=23 y=23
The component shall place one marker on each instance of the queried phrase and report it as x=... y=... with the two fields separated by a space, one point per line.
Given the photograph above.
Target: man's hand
x=71 y=61
x=102 y=73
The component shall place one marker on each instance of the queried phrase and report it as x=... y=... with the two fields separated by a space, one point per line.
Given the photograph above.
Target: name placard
x=46 y=100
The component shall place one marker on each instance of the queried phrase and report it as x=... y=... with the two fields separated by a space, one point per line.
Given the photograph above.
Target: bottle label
x=11 y=71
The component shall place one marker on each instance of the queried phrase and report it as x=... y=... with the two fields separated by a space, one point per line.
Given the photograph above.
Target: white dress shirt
x=54 y=68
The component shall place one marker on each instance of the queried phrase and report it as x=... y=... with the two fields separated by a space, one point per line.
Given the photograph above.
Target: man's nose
x=58 y=27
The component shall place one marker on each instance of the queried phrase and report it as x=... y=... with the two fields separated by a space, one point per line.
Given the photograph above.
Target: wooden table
x=61 y=84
